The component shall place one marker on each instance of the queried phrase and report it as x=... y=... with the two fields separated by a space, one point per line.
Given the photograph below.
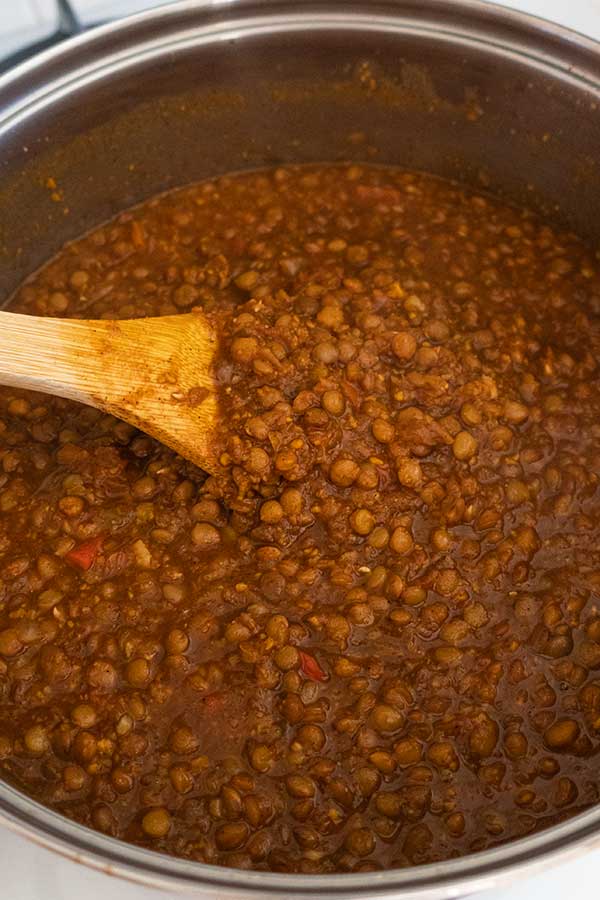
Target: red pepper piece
x=84 y=555
x=310 y=667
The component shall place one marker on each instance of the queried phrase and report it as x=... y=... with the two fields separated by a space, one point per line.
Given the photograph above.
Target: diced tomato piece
x=310 y=667
x=371 y=194
x=84 y=555
x=213 y=702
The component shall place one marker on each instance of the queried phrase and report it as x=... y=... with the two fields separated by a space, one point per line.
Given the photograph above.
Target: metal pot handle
x=68 y=25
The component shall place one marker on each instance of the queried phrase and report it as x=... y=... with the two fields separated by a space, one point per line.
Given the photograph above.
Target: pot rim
x=40 y=81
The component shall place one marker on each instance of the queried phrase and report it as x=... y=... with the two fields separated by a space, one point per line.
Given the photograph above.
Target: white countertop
x=28 y=872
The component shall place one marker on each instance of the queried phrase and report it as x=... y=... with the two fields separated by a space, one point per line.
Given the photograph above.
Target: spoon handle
x=54 y=356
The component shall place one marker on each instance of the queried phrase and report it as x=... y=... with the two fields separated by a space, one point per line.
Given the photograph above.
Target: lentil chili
x=374 y=640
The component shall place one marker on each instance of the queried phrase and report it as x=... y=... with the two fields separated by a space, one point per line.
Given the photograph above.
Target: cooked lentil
x=373 y=640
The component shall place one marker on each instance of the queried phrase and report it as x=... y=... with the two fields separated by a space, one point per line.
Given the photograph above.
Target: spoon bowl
x=155 y=373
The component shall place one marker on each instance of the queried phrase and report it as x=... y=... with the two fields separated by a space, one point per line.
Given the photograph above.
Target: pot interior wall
x=461 y=109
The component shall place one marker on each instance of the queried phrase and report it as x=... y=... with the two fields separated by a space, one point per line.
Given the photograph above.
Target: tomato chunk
x=310 y=667
x=83 y=556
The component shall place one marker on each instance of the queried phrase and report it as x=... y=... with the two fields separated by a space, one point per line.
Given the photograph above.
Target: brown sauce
x=374 y=640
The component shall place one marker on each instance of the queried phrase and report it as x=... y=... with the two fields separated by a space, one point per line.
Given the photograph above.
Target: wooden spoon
x=156 y=374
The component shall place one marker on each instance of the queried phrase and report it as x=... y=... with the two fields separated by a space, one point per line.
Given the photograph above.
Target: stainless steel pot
x=460 y=88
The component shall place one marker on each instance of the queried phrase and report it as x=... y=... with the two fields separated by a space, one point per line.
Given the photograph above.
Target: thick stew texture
x=374 y=639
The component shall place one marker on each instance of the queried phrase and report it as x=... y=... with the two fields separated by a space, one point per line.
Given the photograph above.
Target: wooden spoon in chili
x=156 y=374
